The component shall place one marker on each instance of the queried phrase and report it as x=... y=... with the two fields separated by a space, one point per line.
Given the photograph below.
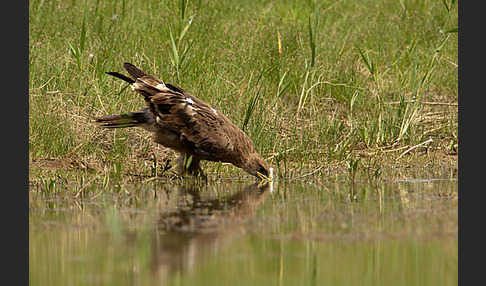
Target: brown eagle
x=186 y=124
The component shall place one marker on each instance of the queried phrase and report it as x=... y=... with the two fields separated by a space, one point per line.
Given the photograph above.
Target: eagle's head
x=256 y=164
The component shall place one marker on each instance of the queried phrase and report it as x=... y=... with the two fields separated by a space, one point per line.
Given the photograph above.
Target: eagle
x=191 y=127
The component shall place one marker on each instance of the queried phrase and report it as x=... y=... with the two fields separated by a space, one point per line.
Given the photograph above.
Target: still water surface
x=236 y=233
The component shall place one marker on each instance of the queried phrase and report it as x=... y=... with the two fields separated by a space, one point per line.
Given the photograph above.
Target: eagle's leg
x=189 y=165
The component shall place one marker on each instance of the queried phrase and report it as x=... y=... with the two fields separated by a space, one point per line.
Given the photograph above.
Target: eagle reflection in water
x=200 y=225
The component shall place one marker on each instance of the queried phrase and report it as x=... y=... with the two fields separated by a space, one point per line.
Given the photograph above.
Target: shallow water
x=235 y=233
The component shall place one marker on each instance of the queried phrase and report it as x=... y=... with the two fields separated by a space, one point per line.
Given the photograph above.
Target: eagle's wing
x=202 y=129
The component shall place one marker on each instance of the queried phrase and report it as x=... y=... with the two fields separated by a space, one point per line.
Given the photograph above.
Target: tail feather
x=121 y=76
x=134 y=71
x=130 y=119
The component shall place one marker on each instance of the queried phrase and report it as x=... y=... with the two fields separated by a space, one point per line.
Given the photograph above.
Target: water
x=235 y=233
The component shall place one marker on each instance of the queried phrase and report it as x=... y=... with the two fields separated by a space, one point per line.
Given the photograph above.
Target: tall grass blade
x=175 y=53
x=446 y=5
x=312 y=37
x=303 y=92
x=183 y=33
x=183 y=5
x=368 y=62
x=76 y=54
x=282 y=85
x=82 y=36
x=252 y=104
x=124 y=6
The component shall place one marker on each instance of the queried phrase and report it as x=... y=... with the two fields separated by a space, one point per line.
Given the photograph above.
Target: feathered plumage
x=187 y=125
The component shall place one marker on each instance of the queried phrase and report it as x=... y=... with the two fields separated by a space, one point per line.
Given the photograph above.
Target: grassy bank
x=318 y=83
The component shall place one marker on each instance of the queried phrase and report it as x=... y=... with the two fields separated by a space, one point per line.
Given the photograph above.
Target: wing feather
x=203 y=131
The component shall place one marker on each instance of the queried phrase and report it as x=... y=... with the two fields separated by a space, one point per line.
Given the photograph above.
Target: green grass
x=311 y=82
